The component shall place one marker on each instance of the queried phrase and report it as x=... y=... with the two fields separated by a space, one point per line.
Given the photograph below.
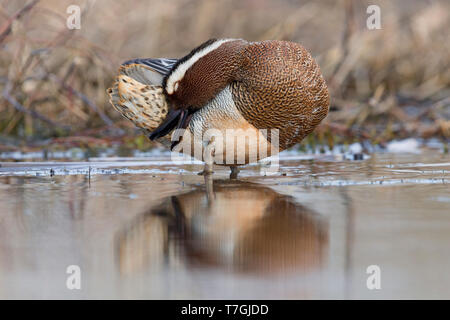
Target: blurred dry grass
x=388 y=83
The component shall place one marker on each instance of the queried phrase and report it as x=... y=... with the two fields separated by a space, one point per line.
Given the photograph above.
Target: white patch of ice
x=355 y=148
x=410 y=145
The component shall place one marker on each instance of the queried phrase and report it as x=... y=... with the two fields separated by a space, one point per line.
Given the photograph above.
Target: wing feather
x=162 y=65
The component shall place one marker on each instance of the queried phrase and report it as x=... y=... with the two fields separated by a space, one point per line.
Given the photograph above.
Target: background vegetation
x=385 y=84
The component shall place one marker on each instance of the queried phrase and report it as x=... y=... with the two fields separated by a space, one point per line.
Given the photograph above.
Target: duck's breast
x=220 y=125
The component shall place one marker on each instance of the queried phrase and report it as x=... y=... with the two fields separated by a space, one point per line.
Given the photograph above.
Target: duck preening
x=227 y=102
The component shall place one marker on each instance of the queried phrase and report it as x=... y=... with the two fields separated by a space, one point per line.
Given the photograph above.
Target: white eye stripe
x=180 y=71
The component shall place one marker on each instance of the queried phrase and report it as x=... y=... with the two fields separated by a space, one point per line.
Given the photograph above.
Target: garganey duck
x=270 y=93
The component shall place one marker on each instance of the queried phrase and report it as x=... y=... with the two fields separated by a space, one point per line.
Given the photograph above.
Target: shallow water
x=151 y=229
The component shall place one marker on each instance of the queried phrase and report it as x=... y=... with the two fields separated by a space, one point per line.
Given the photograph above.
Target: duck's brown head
x=199 y=76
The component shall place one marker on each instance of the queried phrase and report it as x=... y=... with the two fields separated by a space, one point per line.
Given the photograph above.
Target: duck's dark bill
x=171 y=121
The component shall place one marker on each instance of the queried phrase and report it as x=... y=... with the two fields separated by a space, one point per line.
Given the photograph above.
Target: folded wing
x=137 y=93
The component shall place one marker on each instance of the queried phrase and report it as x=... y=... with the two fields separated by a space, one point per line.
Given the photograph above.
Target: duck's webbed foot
x=207 y=170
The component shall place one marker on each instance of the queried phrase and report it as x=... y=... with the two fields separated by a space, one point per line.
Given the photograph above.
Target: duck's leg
x=234 y=172
x=208 y=157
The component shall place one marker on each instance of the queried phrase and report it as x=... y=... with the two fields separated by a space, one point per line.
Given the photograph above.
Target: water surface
x=153 y=229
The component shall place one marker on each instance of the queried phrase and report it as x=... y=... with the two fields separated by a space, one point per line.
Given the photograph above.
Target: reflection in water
x=246 y=242
x=244 y=227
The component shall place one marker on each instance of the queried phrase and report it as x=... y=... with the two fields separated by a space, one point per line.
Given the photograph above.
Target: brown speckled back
x=281 y=87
